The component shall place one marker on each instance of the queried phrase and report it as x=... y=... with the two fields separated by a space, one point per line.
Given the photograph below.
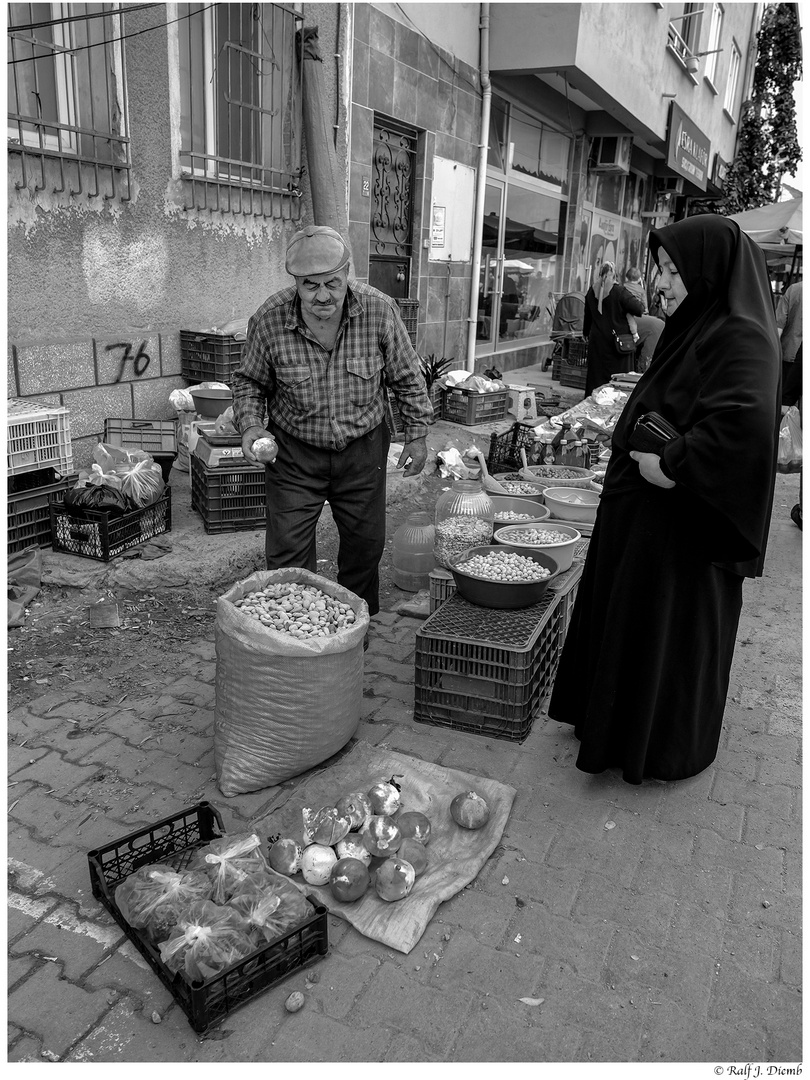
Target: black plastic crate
x=504 y=449
x=92 y=534
x=209 y=357
x=174 y=840
x=228 y=499
x=409 y=310
x=575 y=351
x=569 y=374
x=27 y=481
x=565 y=586
x=483 y=670
x=461 y=406
x=29 y=515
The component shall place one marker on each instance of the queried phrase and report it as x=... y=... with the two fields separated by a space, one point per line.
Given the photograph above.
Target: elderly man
x=317 y=358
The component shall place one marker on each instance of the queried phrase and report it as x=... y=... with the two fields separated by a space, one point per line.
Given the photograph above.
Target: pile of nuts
x=511 y=515
x=300 y=610
x=513 y=488
x=504 y=566
x=456 y=534
x=537 y=536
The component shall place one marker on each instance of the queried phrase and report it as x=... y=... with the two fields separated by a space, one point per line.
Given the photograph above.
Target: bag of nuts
x=289 y=679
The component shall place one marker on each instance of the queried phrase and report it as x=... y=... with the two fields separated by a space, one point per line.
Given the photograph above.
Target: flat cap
x=317 y=249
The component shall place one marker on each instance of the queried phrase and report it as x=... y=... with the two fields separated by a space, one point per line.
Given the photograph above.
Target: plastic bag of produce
x=271 y=905
x=229 y=862
x=99 y=497
x=154 y=897
x=208 y=938
x=283 y=703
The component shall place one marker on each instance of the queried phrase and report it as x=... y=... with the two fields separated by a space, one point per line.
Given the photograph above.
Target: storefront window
x=540 y=152
x=497 y=133
x=533 y=239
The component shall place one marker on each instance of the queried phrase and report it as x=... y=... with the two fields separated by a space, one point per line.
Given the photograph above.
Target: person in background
x=789 y=321
x=633 y=284
x=317 y=358
x=644 y=671
x=607 y=303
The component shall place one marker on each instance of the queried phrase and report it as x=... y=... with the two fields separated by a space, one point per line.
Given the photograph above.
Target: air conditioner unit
x=611 y=153
x=672 y=184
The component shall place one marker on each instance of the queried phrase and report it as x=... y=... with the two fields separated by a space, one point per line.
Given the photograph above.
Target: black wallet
x=652 y=433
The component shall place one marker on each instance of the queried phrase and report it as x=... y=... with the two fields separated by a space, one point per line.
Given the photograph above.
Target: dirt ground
x=57 y=641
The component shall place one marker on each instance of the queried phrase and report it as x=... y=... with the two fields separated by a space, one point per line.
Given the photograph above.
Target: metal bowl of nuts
x=501 y=576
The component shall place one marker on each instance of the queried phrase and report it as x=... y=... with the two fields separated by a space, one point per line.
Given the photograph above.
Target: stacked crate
x=226 y=491
x=209 y=357
x=486 y=671
x=40 y=463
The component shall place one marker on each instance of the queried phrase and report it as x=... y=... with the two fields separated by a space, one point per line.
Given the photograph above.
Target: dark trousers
x=298 y=483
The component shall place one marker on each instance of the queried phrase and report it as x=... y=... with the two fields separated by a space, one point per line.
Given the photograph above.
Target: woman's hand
x=649 y=465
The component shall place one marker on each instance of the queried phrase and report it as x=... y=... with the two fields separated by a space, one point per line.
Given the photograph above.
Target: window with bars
x=67 y=93
x=240 y=107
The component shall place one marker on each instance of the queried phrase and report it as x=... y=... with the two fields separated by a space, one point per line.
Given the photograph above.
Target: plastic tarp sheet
x=283 y=704
x=455 y=855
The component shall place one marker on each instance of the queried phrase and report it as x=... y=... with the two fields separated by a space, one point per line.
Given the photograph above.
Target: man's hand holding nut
x=259 y=446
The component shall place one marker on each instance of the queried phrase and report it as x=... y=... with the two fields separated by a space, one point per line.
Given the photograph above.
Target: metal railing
x=67 y=108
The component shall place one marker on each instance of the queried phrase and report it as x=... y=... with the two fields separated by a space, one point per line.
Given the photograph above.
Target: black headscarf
x=715 y=376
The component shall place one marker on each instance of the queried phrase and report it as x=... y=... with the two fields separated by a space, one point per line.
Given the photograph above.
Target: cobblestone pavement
x=658 y=923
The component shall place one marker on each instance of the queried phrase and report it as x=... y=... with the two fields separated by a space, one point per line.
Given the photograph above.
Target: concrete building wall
x=95 y=282
x=402 y=73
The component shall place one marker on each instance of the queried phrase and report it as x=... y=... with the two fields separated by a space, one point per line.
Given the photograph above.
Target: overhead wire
x=78 y=18
x=111 y=41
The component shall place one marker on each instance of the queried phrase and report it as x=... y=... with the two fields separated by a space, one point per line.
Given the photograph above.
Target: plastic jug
x=464 y=518
x=412 y=555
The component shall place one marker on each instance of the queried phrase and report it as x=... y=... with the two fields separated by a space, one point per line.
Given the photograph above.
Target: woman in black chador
x=607 y=305
x=644 y=672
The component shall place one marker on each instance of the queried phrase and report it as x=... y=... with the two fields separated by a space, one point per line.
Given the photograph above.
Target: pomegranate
x=352 y=847
x=348 y=880
x=395 y=879
x=385 y=797
x=316 y=864
x=285 y=856
x=414 y=852
x=357 y=808
x=324 y=826
x=469 y=810
x=381 y=836
x=414 y=824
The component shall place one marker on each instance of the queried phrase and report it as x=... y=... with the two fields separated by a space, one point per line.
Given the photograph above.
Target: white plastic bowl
x=562 y=551
x=572 y=504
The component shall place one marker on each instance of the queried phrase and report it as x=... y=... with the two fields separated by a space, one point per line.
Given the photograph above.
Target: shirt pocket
x=295 y=385
x=364 y=378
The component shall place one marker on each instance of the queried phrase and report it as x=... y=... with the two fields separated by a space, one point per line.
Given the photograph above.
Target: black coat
x=644 y=671
x=604 y=359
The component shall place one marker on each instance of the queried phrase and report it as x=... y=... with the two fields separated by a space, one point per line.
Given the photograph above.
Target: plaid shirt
x=326 y=399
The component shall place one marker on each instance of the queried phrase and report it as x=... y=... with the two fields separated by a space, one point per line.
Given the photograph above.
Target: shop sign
x=719 y=172
x=688 y=149
x=606 y=226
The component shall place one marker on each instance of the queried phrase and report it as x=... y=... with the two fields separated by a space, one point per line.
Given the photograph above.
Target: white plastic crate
x=38 y=437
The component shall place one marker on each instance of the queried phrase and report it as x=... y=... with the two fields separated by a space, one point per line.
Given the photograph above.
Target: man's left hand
x=413 y=456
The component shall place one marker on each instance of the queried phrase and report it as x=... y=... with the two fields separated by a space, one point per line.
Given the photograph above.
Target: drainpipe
x=481 y=186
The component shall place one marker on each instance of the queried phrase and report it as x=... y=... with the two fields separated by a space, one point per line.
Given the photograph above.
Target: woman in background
x=644 y=672
x=607 y=304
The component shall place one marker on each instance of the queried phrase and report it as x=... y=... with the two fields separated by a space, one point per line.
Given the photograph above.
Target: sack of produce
x=207 y=939
x=271 y=906
x=289 y=685
x=229 y=862
x=154 y=897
